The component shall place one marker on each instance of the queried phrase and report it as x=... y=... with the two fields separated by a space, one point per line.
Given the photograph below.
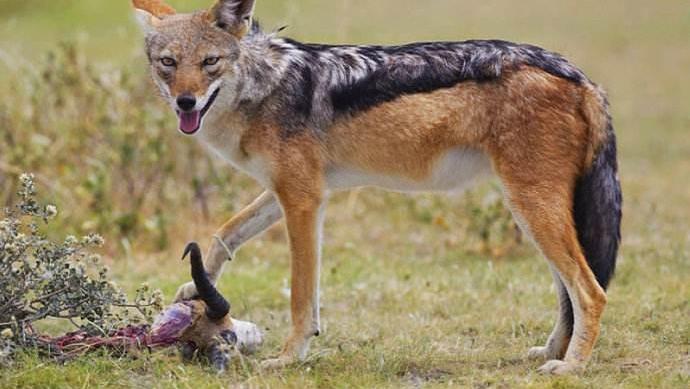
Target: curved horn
x=217 y=307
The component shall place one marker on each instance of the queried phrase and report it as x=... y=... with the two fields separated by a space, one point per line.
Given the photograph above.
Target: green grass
x=419 y=315
x=405 y=303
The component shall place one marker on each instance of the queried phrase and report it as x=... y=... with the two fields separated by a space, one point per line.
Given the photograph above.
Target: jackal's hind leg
x=557 y=344
x=552 y=228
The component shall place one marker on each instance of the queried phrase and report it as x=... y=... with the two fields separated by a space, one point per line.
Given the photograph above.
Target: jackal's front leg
x=251 y=221
x=303 y=214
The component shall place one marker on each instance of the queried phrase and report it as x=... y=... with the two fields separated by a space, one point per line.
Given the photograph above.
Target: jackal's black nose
x=186 y=102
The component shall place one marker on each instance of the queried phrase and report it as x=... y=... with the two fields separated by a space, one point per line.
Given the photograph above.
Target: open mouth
x=190 y=122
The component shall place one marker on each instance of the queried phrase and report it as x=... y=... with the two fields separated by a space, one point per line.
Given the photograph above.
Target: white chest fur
x=455 y=170
x=224 y=139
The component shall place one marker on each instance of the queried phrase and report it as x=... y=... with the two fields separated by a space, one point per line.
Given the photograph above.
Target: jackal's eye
x=167 y=61
x=210 y=61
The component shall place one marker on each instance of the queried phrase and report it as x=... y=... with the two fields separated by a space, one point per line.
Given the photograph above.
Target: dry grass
x=405 y=303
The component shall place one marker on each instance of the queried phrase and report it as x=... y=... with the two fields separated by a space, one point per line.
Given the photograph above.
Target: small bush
x=45 y=279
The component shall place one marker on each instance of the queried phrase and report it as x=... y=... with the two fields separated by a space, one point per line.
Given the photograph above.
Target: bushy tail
x=598 y=198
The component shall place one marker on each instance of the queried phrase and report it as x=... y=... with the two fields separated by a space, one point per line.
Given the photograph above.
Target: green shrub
x=45 y=279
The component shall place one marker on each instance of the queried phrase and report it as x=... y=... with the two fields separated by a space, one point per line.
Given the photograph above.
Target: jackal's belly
x=455 y=170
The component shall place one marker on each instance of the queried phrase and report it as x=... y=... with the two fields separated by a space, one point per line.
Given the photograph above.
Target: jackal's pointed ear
x=150 y=12
x=234 y=16
x=146 y=21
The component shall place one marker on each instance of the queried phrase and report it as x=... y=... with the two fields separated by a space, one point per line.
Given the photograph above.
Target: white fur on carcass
x=249 y=336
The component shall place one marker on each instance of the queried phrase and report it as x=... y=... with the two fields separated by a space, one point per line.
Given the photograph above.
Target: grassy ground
x=405 y=302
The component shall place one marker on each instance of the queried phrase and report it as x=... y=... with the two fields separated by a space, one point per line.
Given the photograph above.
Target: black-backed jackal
x=308 y=119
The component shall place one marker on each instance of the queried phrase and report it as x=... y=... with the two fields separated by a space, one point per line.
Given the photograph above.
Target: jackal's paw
x=278 y=363
x=185 y=292
x=538 y=353
x=544 y=353
x=558 y=367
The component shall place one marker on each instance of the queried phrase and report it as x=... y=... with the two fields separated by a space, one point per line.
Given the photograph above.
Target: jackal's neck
x=261 y=68
x=299 y=79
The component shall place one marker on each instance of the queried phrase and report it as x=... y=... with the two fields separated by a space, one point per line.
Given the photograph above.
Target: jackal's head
x=194 y=56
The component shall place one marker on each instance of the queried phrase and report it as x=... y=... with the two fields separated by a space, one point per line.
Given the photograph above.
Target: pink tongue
x=190 y=121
